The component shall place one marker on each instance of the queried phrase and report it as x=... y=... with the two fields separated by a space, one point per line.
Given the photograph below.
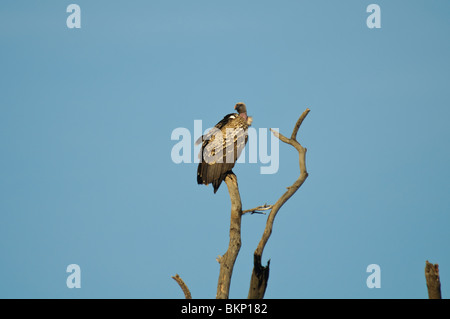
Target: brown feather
x=229 y=135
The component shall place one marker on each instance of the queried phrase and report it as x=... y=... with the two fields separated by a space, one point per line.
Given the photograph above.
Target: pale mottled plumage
x=222 y=146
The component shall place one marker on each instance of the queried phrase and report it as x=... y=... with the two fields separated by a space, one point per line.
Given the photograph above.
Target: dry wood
x=228 y=259
x=183 y=286
x=433 y=280
x=258 y=210
x=260 y=274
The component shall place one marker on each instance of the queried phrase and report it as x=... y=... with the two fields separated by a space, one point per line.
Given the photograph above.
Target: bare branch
x=260 y=274
x=280 y=136
x=258 y=210
x=183 y=286
x=433 y=281
x=228 y=259
x=298 y=124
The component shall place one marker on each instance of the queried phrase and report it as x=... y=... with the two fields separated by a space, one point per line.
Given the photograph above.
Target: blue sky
x=86 y=175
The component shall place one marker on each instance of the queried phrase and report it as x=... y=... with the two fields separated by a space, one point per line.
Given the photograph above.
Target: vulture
x=222 y=146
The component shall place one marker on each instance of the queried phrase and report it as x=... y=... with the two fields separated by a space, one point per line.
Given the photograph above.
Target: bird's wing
x=217 y=127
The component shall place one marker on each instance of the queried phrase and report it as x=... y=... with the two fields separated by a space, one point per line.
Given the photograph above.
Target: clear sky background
x=86 y=117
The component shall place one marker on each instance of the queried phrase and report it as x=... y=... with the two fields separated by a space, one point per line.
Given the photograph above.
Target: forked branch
x=260 y=274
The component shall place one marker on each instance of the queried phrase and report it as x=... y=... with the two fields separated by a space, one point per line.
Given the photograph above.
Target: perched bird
x=222 y=146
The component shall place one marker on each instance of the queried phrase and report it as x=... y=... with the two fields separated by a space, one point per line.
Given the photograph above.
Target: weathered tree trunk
x=228 y=259
x=433 y=280
x=259 y=279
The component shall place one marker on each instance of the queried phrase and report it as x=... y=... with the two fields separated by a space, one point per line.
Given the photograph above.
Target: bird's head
x=240 y=107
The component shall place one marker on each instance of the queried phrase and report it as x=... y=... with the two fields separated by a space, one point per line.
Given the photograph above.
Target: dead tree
x=260 y=274
x=433 y=280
